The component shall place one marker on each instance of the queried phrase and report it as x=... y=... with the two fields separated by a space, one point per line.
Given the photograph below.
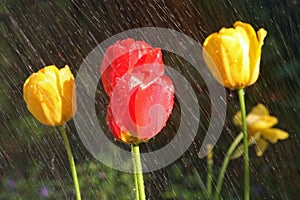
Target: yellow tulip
x=260 y=123
x=50 y=95
x=233 y=55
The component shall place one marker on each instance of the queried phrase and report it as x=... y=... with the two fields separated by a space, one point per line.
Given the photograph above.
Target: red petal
x=151 y=107
x=153 y=56
x=144 y=109
x=114 y=128
x=123 y=56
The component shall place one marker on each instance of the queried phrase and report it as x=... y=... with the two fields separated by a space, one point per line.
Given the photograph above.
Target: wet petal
x=255 y=44
x=122 y=57
x=67 y=92
x=274 y=134
x=260 y=123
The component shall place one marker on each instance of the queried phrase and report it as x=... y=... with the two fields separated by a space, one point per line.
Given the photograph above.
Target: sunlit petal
x=261 y=123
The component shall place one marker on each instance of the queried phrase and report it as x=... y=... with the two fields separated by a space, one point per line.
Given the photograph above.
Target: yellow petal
x=259 y=118
x=67 y=92
x=259 y=110
x=260 y=147
x=237 y=119
x=244 y=74
x=253 y=137
x=255 y=45
x=50 y=74
x=32 y=100
x=274 y=134
x=234 y=47
x=261 y=34
x=212 y=57
x=257 y=123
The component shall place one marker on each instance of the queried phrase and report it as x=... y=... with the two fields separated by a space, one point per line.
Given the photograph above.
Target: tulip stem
x=71 y=160
x=138 y=173
x=225 y=163
x=209 y=178
x=245 y=141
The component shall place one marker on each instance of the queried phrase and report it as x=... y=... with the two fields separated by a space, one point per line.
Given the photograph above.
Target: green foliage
x=185 y=186
x=96 y=182
x=30 y=187
x=101 y=182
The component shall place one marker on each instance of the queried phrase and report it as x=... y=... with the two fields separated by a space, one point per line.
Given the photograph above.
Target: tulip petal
x=274 y=134
x=261 y=34
x=213 y=57
x=153 y=57
x=244 y=65
x=123 y=135
x=67 y=92
x=255 y=45
x=260 y=147
x=123 y=56
x=141 y=105
x=138 y=114
x=259 y=110
x=32 y=100
x=260 y=123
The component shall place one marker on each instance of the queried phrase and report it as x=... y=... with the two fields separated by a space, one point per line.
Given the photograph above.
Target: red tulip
x=140 y=105
x=141 y=97
x=125 y=55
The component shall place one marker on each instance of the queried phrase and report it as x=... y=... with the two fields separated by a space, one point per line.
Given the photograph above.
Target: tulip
x=233 y=55
x=50 y=95
x=141 y=97
x=260 y=125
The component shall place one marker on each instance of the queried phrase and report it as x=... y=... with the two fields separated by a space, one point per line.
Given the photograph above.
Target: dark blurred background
x=34 y=34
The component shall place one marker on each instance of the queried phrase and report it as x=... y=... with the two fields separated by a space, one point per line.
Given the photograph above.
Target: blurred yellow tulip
x=233 y=55
x=50 y=95
x=260 y=123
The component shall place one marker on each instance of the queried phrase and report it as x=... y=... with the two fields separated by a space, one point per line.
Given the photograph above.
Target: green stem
x=138 y=173
x=210 y=162
x=245 y=141
x=71 y=160
x=225 y=164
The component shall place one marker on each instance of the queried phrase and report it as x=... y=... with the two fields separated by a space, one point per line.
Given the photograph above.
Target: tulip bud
x=50 y=95
x=141 y=97
x=233 y=55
